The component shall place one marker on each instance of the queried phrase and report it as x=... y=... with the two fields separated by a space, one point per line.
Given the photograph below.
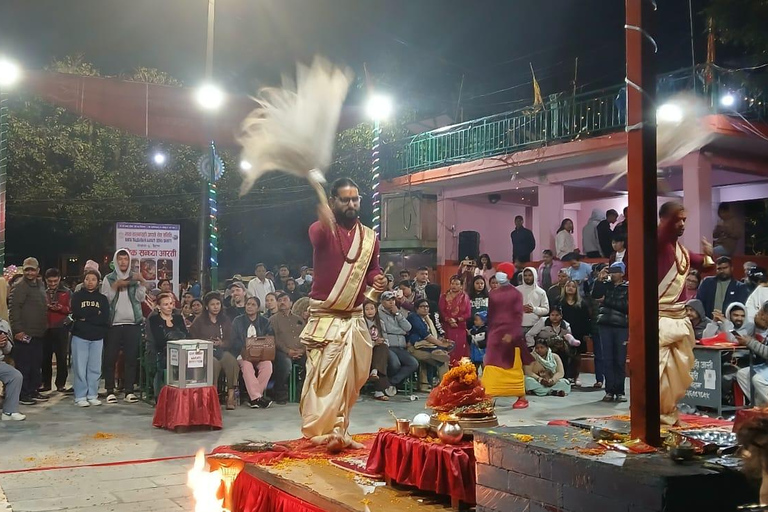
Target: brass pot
x=420 y=431
x=450 y=432
x=402 y=426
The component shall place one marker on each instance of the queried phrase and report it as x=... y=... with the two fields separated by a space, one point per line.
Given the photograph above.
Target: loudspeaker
x=469 y=245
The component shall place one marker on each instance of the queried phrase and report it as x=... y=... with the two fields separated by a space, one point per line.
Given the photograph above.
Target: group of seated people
x=230 y=323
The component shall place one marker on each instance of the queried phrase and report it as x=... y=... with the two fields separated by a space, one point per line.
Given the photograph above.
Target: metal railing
x=561 y=118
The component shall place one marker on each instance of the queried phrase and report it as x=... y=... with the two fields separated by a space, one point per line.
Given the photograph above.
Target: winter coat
x=614 y=309
x=590 y=241
x=29 y=311
x=536 y=297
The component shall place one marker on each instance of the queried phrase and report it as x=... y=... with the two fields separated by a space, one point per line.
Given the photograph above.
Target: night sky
x=417 y=50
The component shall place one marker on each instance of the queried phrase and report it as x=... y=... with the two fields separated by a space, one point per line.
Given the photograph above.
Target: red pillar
x=641 y=181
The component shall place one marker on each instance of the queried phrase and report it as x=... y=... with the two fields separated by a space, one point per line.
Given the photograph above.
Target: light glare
x=245 y=165
x=379 y=107
x=210 y=97
x=669 y=113
x=728 y=100
x=160 y=158
x=9 y=72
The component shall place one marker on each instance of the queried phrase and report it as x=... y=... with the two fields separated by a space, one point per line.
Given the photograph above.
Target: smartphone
x=735 y=332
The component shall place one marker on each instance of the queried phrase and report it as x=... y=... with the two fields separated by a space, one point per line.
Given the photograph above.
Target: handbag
x=258 y=349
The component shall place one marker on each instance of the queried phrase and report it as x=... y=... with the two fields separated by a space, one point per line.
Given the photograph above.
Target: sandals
x=111 y=398
x=597 y=385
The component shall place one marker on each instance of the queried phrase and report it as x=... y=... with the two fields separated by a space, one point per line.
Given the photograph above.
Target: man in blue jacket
x=718 y=292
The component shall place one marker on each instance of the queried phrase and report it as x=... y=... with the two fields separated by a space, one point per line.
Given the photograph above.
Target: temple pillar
x=697 y=199
x=547 y=216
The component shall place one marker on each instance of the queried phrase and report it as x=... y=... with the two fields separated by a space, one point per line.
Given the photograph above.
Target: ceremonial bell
x=372 y=293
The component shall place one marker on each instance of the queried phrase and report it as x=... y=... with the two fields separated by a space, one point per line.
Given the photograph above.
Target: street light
x=210 y=97
x=245 y=165
x=10 y=72
x=728 y=100
x=378 y=108
x=160 y=159
x=669 y=113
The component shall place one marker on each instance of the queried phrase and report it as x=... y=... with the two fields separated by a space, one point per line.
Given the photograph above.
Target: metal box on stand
x=190 y=363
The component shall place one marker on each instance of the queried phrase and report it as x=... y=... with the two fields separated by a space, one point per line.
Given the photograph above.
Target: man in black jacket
x=523 y=242
x=613 y=294
x=605 y=233
x=718 y=292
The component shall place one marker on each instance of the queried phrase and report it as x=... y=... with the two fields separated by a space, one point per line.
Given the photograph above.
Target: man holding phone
x=125 y=291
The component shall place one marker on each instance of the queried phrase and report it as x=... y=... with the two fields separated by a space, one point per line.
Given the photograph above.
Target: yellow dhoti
x=505 y=382
x=336 y=371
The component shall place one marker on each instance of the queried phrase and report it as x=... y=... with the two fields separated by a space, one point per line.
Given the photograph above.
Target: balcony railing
x=564 y=118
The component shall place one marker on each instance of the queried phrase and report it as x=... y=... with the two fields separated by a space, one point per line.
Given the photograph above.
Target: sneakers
x=390 y=391
x=94 y=401
x=40 y=397
x=130 y=398
x=82 y=403
x=608 y=397
x=111 y=398
x=25 y=400
x=621 y=398
x=260 y=403
x=13 y=416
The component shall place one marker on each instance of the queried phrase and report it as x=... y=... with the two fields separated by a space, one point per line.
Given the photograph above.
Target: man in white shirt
x=260 y=286
x=535 y=302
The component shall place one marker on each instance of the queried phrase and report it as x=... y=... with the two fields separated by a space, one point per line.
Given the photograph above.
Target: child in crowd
x=477 y=338
x=380 y=357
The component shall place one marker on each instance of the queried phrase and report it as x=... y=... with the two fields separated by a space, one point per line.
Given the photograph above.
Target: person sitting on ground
x=290 y=351
x=271 y=305
x=477 y=338
x=395 y=327
x=545 y=376
x=556 y=332
x=256 y=373
x=10 y=377
x=216 y=327
x=694 y=309
x=426 y=346
x=163 y=326
x=756 y=343
x=380 y=357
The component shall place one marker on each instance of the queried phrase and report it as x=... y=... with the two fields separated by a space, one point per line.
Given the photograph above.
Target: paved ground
x=60 y=434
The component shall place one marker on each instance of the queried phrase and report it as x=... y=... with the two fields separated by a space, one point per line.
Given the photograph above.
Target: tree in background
x=741 y=22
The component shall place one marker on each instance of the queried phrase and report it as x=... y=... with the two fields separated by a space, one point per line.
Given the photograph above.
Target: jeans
x=11 y=379
x=29 y=358
x=282 y=373
x=597 y=351
x=56 y=341
x=614 y=341
x=401 y=365
x=86 y=367
x=127 y=338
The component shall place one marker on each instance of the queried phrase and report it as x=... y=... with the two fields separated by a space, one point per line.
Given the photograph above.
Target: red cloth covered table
x=188 y=407
x=439 y=468
x=249 y=494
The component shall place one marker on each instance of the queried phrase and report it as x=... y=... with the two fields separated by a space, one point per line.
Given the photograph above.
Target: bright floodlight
x=669 y=113
x=210 y=97
x=160 y=158
x=245 y=165
x=9 y=72
x=728 y=100
x=379 y=107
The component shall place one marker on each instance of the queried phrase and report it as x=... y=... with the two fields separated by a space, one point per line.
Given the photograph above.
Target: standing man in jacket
x=605 y=233
x=29 y=322
x=590 y=241
x=523 y=242
x=535 y=301
x=718 y=292
x=613 y=293
x=58 y=299
x=125 y=292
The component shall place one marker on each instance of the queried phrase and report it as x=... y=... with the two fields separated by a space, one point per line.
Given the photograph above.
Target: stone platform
x=551 y=474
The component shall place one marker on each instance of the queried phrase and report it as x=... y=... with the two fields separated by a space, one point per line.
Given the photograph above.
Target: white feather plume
x=684 y=132
x=293 y=129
